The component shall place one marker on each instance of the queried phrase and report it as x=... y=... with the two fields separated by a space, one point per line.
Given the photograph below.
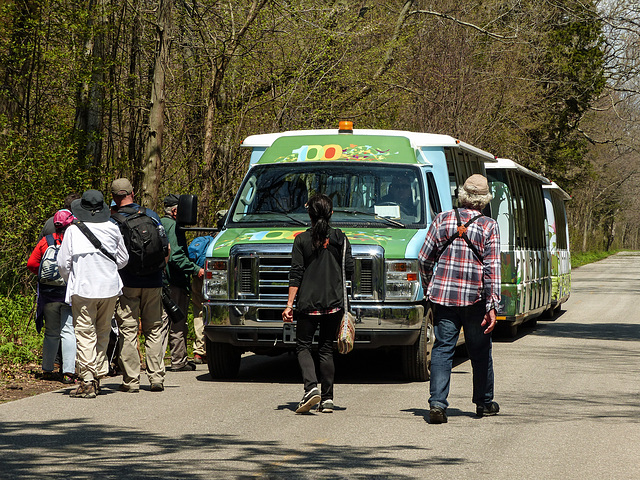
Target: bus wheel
x=223 y=360
x=549 y=314
x=416 y=358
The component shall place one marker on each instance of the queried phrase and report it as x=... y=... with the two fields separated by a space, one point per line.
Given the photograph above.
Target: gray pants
x=176 y=332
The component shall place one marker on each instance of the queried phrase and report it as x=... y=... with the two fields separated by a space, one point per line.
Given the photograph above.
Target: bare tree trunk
x=214 y=166
x=585 y=231
x=134 y=147
x=91 y=94
x=153 y=148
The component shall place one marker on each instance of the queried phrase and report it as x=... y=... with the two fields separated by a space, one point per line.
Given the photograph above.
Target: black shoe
x=487 y=409
x=49 y=376
x=187 y=367
x=310 y=398
x=437 y=415
x=157 y=387
x=326 y=406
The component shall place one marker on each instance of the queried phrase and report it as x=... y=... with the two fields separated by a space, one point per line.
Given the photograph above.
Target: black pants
x=305 y=329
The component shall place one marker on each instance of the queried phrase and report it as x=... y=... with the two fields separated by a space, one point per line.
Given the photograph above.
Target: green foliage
x=37 y=173
x=19 y=341
x=583 y=258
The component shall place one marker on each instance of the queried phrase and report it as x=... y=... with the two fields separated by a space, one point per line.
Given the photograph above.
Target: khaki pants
x=198 y=326
x=92 y=323
x=144 y=304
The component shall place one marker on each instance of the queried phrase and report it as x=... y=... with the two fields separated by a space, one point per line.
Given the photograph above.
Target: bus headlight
x=216 y=283
x=402 y=279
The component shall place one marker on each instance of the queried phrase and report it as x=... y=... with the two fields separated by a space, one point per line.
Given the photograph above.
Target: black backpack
x=143 y=241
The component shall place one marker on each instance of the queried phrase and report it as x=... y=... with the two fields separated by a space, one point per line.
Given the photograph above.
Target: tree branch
x=465 y=24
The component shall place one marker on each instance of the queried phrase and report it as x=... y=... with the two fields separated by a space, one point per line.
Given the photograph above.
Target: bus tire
x=223 y=360
x=416 y=358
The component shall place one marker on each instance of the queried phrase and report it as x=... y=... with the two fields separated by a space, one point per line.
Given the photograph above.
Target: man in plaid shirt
x=462 y=279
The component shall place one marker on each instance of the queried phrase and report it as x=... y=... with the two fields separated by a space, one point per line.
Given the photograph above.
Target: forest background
x=164 y=91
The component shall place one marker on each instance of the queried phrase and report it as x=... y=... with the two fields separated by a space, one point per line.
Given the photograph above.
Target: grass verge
x=583 y=258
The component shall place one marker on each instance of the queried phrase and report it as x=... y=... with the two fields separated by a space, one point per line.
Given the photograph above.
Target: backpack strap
x=51 y=240
x=462 y=233
x=94 y=241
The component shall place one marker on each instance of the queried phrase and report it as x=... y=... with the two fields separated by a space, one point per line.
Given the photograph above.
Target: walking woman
x=315 y=283
x=58 y=321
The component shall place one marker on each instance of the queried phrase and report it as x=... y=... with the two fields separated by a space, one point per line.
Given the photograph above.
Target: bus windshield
x=363 y=194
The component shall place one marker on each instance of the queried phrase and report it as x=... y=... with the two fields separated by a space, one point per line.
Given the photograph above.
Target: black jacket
x=318 y=274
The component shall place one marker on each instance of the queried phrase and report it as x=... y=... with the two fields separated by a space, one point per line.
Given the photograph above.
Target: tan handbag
x=347 y=329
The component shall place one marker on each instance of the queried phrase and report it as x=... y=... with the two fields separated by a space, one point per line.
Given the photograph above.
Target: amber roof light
x=345 y=126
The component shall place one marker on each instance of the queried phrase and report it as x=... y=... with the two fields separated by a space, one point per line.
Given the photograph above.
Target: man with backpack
x=460 y=270
x=179 y=270
x=198 y=254
x=141 y=301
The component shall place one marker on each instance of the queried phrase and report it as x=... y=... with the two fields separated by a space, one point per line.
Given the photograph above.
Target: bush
x=19 y=340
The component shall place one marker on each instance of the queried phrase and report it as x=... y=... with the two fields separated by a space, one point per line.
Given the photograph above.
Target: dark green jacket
x=180 y=268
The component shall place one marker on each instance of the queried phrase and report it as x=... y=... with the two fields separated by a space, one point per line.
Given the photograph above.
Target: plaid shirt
x=460 y=279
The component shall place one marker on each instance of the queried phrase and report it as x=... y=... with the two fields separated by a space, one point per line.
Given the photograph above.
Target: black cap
x=171 y=200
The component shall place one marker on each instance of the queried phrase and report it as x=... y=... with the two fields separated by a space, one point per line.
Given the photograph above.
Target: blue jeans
x=58 y=326
x=447 y=324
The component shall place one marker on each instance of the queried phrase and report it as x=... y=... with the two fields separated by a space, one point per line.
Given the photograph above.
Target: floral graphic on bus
x=308 y=153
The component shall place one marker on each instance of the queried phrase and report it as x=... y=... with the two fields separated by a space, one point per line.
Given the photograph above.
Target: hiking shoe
x=187 y=367
x=199 y=359
x=310 y=398
x=487 y=410
x=437 y=415
x=68 y=379
x=326 y=406
x=128 y=388
x=85 y=390
x=157 y=387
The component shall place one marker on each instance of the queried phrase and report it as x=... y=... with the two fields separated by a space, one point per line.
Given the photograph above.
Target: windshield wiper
x=375 y=215
x=267 y=212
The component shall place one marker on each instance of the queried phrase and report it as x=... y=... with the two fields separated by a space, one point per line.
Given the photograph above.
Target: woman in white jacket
x=90 y=256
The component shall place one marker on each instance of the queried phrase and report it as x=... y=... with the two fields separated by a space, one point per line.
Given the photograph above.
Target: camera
x=174 y=312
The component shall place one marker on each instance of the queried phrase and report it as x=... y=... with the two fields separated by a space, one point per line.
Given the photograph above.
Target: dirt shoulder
x=21 y=381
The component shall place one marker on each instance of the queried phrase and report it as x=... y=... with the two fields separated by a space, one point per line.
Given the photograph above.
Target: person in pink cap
x=51 y=307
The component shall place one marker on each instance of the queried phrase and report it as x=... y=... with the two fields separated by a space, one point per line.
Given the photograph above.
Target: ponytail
x=320 y=210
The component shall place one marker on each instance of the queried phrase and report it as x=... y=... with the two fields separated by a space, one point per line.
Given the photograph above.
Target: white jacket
x=90 y=273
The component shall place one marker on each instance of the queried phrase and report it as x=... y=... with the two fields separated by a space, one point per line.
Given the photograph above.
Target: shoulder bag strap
x=94 y=241
x=344 y=275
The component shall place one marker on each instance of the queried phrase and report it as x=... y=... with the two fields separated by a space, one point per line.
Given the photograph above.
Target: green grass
x=19 y=341
x=583 y=258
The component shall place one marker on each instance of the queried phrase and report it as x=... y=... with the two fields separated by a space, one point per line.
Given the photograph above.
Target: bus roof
x=507 y=164
x=416 y=139
x=556 y=188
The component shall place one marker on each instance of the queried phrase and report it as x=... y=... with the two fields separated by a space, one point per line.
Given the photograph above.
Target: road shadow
x=358 y=367
x=80 y=449
x=592 y=331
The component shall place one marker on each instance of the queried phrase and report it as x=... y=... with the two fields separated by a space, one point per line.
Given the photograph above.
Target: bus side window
x=434 y=201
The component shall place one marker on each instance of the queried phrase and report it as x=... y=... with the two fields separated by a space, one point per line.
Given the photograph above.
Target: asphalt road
x=569 y=392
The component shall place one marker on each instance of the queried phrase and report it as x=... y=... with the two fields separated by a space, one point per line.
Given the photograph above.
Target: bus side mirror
x=187 y=210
